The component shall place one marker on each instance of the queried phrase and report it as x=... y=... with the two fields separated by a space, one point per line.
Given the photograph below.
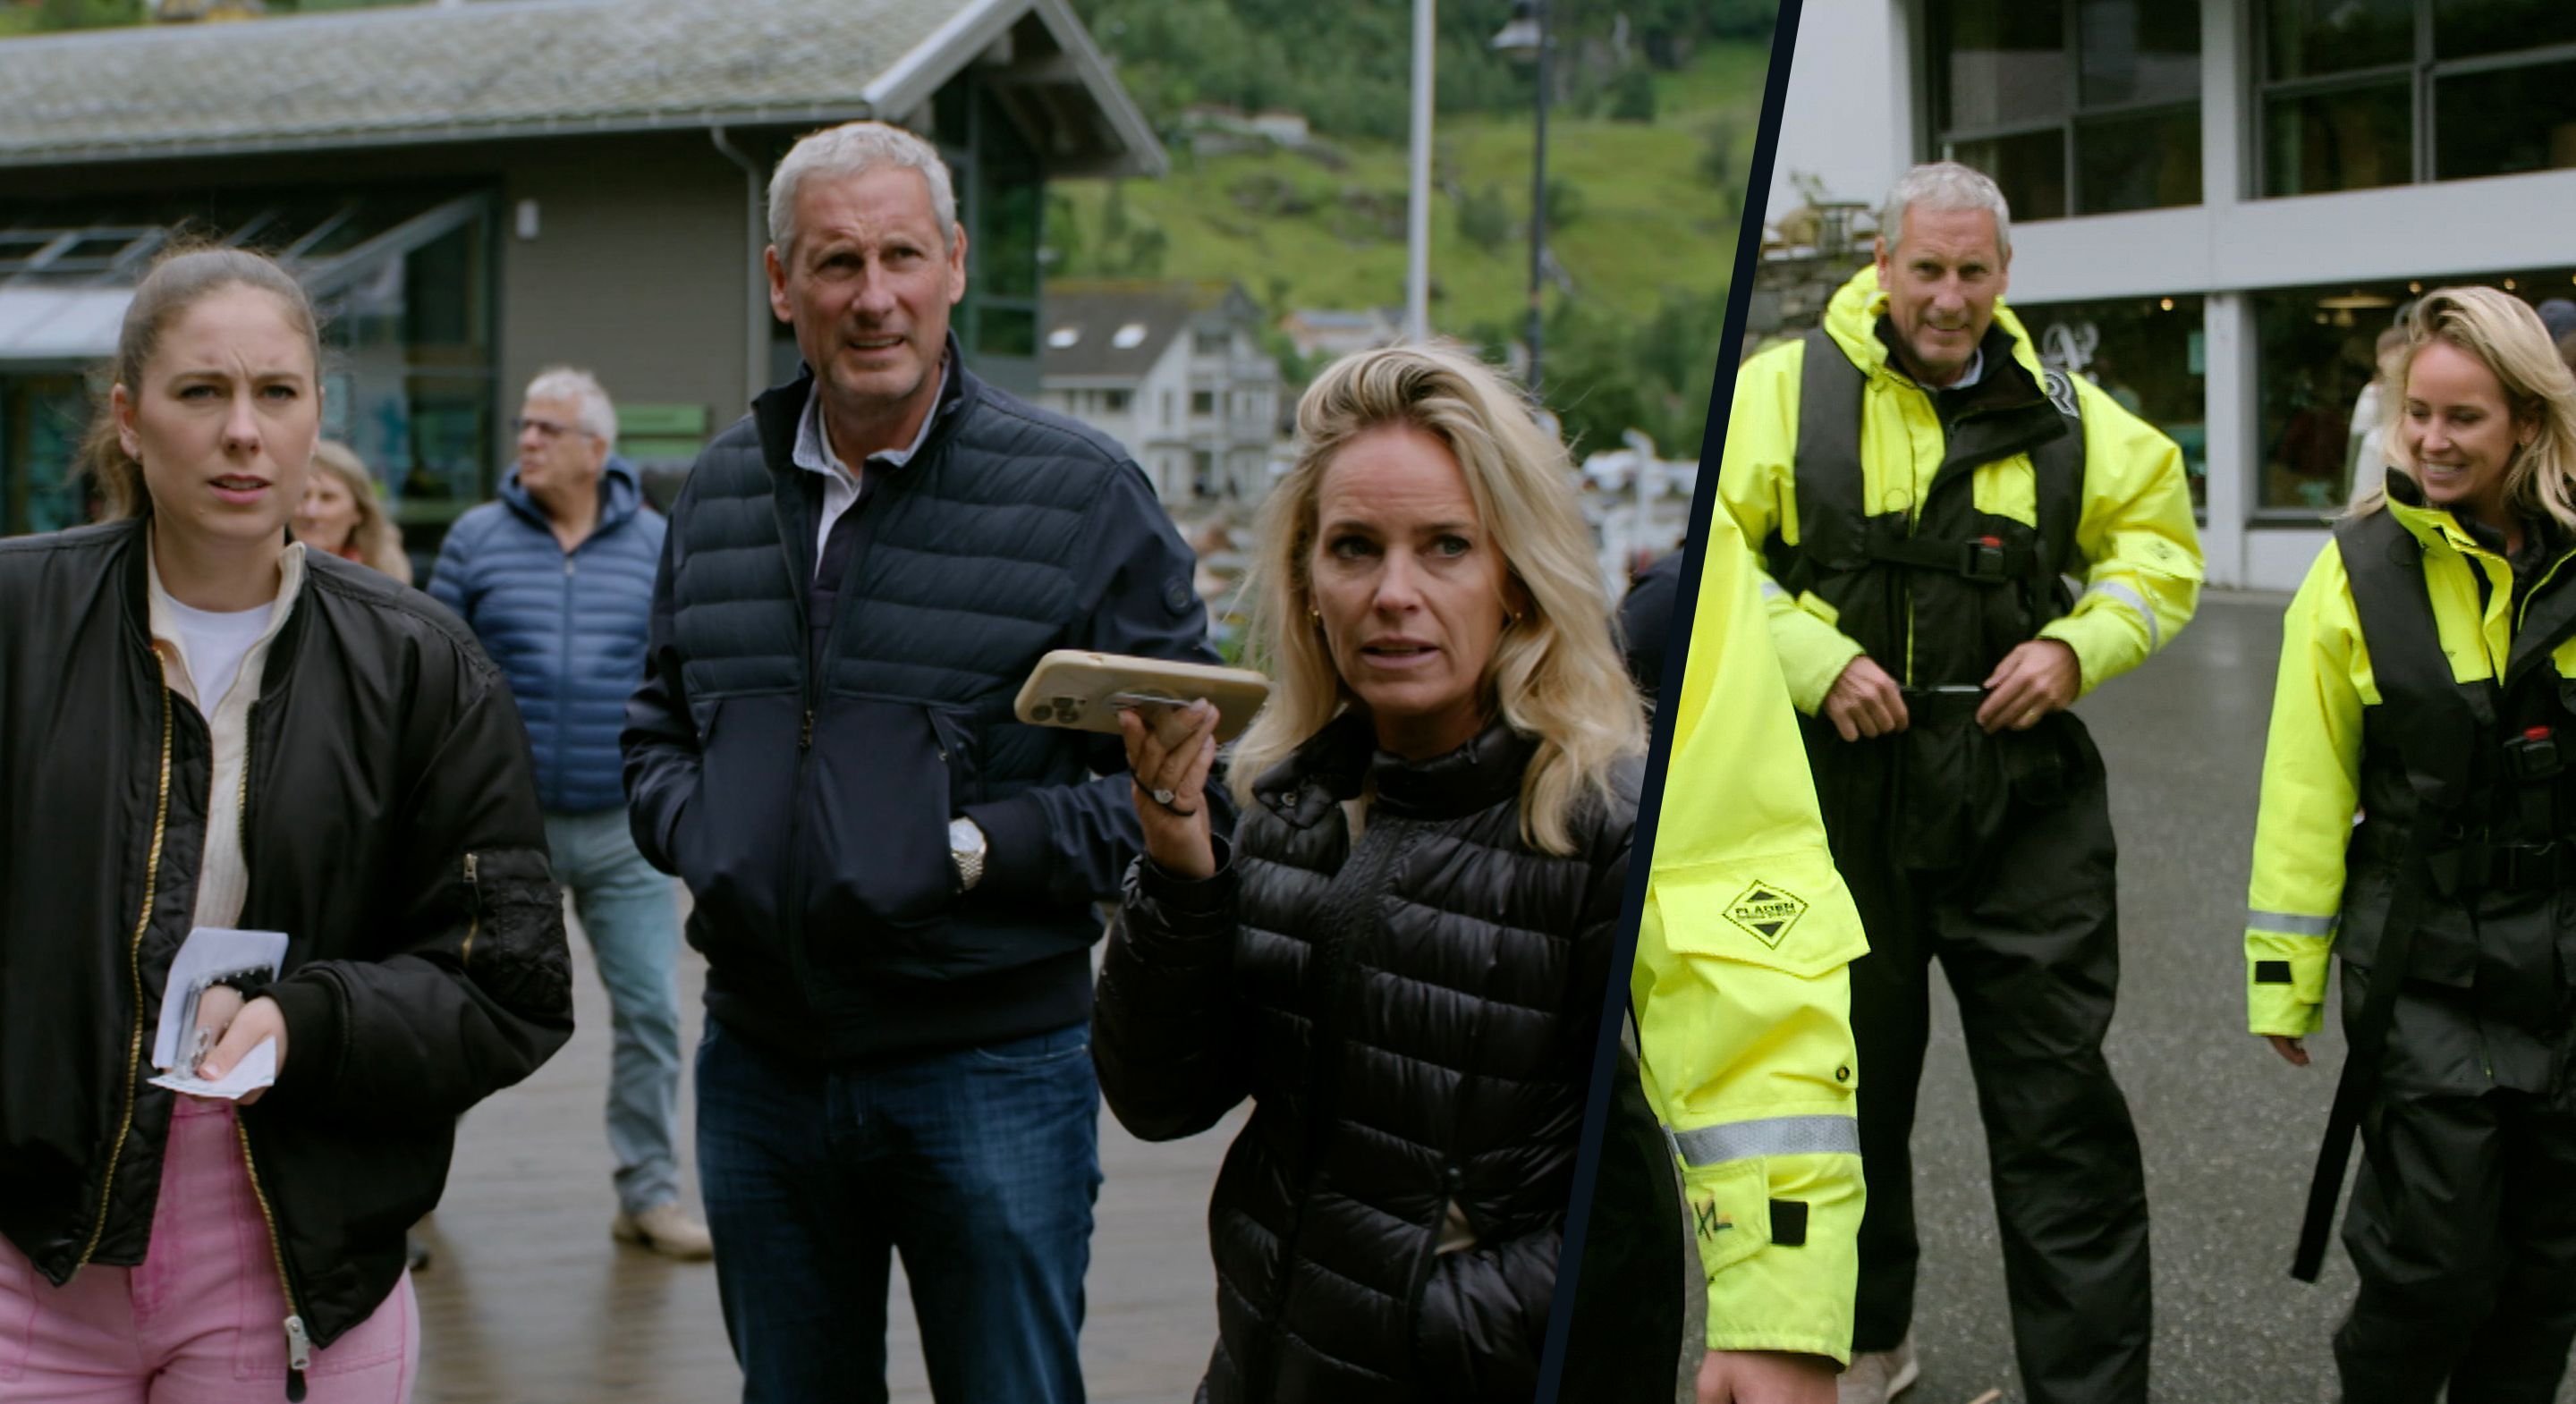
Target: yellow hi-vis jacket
x=2135 y=531
x=2312 y=758
x=1742 y=996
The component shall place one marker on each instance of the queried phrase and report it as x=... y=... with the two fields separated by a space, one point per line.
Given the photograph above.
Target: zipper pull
x=469 y=865
x=805 y=737
x=299 y=1358
x=567 y=565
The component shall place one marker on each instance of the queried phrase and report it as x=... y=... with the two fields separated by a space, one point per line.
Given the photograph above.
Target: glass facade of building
x=2355 y=94
x=2149 y=354
x=2075 y=107
x=404 y=287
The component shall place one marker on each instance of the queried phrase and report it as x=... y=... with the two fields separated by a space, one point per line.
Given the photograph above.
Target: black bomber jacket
x=390 y=828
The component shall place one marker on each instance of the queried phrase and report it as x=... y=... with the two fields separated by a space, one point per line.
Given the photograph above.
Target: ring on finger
x=1162 y=797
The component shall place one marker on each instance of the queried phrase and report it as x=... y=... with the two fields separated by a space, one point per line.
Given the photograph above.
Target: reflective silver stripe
x=1771 y=590
x=2288 y=924
x=2136 y=601
x=1778 y=1135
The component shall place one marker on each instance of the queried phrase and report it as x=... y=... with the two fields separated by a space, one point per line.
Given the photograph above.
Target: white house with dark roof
x=474 y=192
x=1176 y=372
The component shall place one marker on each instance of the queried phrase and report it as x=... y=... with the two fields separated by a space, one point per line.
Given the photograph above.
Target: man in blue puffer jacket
x=556 y=579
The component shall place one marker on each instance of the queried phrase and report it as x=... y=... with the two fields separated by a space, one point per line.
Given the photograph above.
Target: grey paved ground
x=2229 y=1130
x=530 y=1303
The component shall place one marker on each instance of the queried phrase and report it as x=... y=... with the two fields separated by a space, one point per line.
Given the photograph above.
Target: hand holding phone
x=1086 y=691
x=1170 y=752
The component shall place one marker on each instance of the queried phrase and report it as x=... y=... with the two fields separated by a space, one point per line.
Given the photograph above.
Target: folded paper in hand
x=208 y=952
x=257 y=1069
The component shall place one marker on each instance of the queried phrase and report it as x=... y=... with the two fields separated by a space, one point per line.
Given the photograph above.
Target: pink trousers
x=202 y=1321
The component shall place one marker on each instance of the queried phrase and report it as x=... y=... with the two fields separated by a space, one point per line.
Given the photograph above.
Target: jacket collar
x=780 y=409
x=2545 y=542
x=1342 y=762
x=2428 y=523
x=164 y=621
x=621 y=495
x=137 y=576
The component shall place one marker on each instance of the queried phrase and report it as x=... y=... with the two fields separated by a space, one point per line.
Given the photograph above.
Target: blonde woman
x=340 y=513
x=2427 y=671
x=1401 y=959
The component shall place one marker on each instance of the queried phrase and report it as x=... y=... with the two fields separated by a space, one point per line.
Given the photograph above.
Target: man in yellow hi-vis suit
x=1742 y=1002
x=1921 y=489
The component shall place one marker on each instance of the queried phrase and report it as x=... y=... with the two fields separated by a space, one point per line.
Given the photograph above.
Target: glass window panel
x=444 y=448
x=2145 y=162
x=1007 y=256
x=42 y=420
x=444 y=289
x=2311 y=364
x=2309 y=38
x=2031 y=168
x=1006 y=331
x=2145 y=352
x=2462 y=28
x=2138 y=50
x=2004 y=61
x=2349 y=140
x=2501 y=122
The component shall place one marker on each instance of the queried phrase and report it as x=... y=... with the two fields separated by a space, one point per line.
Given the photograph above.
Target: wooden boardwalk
x=529 y=1302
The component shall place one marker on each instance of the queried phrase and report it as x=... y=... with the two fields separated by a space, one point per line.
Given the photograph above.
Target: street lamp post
x=1417 y=219
x=1526 y=37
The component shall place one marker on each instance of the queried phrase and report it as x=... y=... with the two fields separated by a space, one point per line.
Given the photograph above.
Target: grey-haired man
x=894 y=878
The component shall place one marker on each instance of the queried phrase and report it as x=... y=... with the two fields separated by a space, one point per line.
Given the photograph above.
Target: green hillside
x=1643 y=223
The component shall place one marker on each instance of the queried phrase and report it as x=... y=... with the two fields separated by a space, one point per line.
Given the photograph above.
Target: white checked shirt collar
x=841 y=487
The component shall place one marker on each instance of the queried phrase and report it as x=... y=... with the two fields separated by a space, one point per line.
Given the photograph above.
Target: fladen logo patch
x=1766 y=912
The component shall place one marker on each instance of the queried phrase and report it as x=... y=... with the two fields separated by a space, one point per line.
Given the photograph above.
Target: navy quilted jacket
x=808 y=807
x=567 y=629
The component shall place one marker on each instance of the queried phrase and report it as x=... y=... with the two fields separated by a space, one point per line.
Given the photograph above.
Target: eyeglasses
x=547 y=428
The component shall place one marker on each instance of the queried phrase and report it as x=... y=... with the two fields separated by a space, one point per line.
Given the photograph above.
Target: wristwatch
x=966 y=850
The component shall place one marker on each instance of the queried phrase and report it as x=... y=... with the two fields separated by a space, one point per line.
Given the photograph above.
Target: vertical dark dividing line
x=1659 y=745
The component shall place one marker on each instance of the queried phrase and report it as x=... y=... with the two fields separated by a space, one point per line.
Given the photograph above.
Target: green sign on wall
x=661 y=433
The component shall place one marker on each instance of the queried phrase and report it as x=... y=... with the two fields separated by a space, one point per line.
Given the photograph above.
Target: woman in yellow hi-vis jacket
x=2428 y=682
x=1743 y=1009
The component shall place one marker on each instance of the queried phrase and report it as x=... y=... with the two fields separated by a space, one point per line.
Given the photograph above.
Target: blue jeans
x=979 y=1166
x=632 y=916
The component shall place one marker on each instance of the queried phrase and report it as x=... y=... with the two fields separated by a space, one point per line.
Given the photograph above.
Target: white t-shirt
x=214 y=644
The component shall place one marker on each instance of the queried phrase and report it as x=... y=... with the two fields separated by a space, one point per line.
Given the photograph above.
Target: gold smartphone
x=1076 y=688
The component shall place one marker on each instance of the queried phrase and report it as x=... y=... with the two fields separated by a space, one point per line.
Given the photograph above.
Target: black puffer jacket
x=389 y=822
x=807 y=807
x=1414 y=1017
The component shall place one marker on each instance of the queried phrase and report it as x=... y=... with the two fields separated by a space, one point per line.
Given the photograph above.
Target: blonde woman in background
x=342 y=514
x=2428 y=682
x=1401 y=958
